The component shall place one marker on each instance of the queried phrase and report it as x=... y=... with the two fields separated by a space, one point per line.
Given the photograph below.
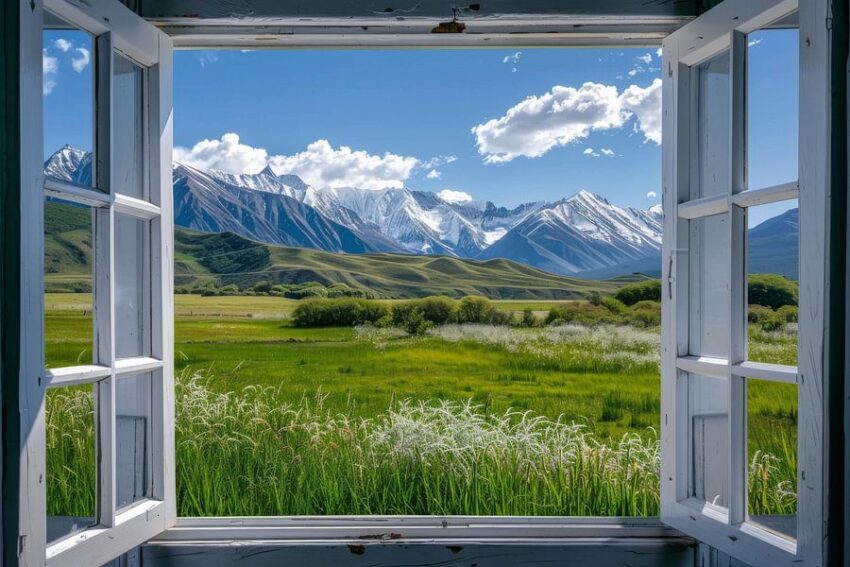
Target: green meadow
x=272 y=419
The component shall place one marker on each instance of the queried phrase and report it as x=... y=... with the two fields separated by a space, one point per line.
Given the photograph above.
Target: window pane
x=68 y=91
x=772 y=450
x=709 y=422
x=68 y=324
x=71 y=460
x=127 y=127
x=773 y=269
x=773 y=92
x=713 y=127
x=131 y=288
x=133 y=411
x=709 y=295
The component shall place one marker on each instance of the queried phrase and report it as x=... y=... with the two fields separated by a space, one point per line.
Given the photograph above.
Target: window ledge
x=417 y=529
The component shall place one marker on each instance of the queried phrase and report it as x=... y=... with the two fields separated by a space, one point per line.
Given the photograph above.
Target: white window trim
x=115 y=27
x=724 y=28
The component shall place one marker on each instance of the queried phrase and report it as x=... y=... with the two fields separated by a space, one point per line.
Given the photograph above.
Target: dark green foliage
x=438 y=309
x=344 y=312
x=771 y=290
x=529 y=319
x=475 y=309
x=643 y=291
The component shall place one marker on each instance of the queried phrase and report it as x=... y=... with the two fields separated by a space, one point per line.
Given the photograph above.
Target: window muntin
x=132 y=287
x=128 y=127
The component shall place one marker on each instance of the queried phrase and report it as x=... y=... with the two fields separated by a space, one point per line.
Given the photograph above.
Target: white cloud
x=607 y=152
x=437 y=161
x=590 y=152
x=227 y=154
x=512 y=58
x=81 y=61
x=320 y=164
x=205 y=57
x=658 y=52
x=452 y=196
x=651 y=195
x=540 y=123
x=63 y=45
x=754 y=42
x=434 y=174
x=634 y=72
x=567 y=114
x=645 y=103
x=646 y=58
x=49 y=67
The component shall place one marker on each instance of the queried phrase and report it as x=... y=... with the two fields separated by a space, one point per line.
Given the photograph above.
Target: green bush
x=262 y=287
x=646 y=313
x=648 y=290
x=341 y=312
x=529 y=319
x=475 y=309
x=307 y=292
x=438 y=309
x=773 y=322
x=771 y=290
x=790 y=313
x=757 y=313
x=614 y=305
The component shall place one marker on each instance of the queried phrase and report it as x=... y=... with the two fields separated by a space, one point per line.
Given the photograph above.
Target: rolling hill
x=228 y=258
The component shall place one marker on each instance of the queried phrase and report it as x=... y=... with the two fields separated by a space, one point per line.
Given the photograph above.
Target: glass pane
x=131 y=287
x=128 y=127
x=68 y=91
x=773 y=242
x=71 y=460
x=68 y=322
x=713 y=126
x=133 y=411
x=773 y=93
x=709 y=294
x=709 y=422
x=772 y=450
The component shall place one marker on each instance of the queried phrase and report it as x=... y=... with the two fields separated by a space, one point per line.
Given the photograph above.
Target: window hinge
x=670 y=278
x=22 y=543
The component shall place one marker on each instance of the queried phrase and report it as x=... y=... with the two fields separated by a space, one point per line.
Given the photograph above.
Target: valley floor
x=468 y=419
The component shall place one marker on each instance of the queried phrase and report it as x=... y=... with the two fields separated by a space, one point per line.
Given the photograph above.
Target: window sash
x=724 y=29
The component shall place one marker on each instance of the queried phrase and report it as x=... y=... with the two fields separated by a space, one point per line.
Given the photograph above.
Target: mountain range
x=581 y=235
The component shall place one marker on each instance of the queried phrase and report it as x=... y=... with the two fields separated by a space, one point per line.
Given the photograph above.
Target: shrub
x=771 y=290
x=790 y=313
x=647 y=290
x=307 y=292
x=262 y=287
x=757 y=313
x=415 y=322
x=438 y=309
x=343 y=312
x=475 y=309
x=773 y=322
x=646 y=313
x=595 y=298
x=529 y=319
x=614 y=305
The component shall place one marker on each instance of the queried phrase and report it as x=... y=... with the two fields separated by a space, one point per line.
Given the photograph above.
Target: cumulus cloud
x=651 y=195
x=320 y=164
x=607 y=152
x=63 y=45
x=753 y=42
x=540 y=123
x=590 y=152
x=567 y=114
x=81 y=61
x=437 y=161
x=646 y=58
x=434 y=174
x=658 y=52
x=452 y=196
x=49 y=67
x=514 y=59
x=645 y=103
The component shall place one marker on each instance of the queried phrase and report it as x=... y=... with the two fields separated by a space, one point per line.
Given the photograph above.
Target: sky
x=510 y=126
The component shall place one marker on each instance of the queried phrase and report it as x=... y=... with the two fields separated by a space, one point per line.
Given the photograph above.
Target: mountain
x=773 y=246
x=211 y=204
x=584 y=232
x=227 y=258
x=583 y=235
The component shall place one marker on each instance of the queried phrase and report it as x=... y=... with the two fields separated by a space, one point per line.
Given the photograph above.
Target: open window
x=101 y=431
x=710 y=382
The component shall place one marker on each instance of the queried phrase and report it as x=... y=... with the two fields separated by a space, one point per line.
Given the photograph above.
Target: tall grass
x=239 y=454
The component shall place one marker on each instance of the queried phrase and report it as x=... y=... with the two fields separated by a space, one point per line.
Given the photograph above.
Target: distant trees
x=630 y=294
x=771 y=290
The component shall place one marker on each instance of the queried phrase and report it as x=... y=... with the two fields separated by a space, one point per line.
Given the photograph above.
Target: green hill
x=202 y=259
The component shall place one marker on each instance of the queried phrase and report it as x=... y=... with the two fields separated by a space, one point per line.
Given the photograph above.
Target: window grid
x=106 y=368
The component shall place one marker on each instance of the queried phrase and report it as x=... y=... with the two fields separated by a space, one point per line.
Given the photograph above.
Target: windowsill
x=417 y=529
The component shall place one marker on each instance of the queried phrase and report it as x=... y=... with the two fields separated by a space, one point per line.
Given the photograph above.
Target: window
x=734 y=378
x=105 y=380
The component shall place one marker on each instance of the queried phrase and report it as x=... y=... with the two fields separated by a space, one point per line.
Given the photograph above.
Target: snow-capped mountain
x=572 y=236
x=583 y=232
x=70 y=164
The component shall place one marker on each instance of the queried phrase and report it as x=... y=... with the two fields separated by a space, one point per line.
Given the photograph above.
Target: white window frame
x=116 y=30
x=724 y=29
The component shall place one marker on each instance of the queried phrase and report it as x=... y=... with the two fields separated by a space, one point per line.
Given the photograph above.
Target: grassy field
x=470 y=419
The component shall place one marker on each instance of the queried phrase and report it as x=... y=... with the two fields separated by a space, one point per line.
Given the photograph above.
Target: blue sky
x=407 y=117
